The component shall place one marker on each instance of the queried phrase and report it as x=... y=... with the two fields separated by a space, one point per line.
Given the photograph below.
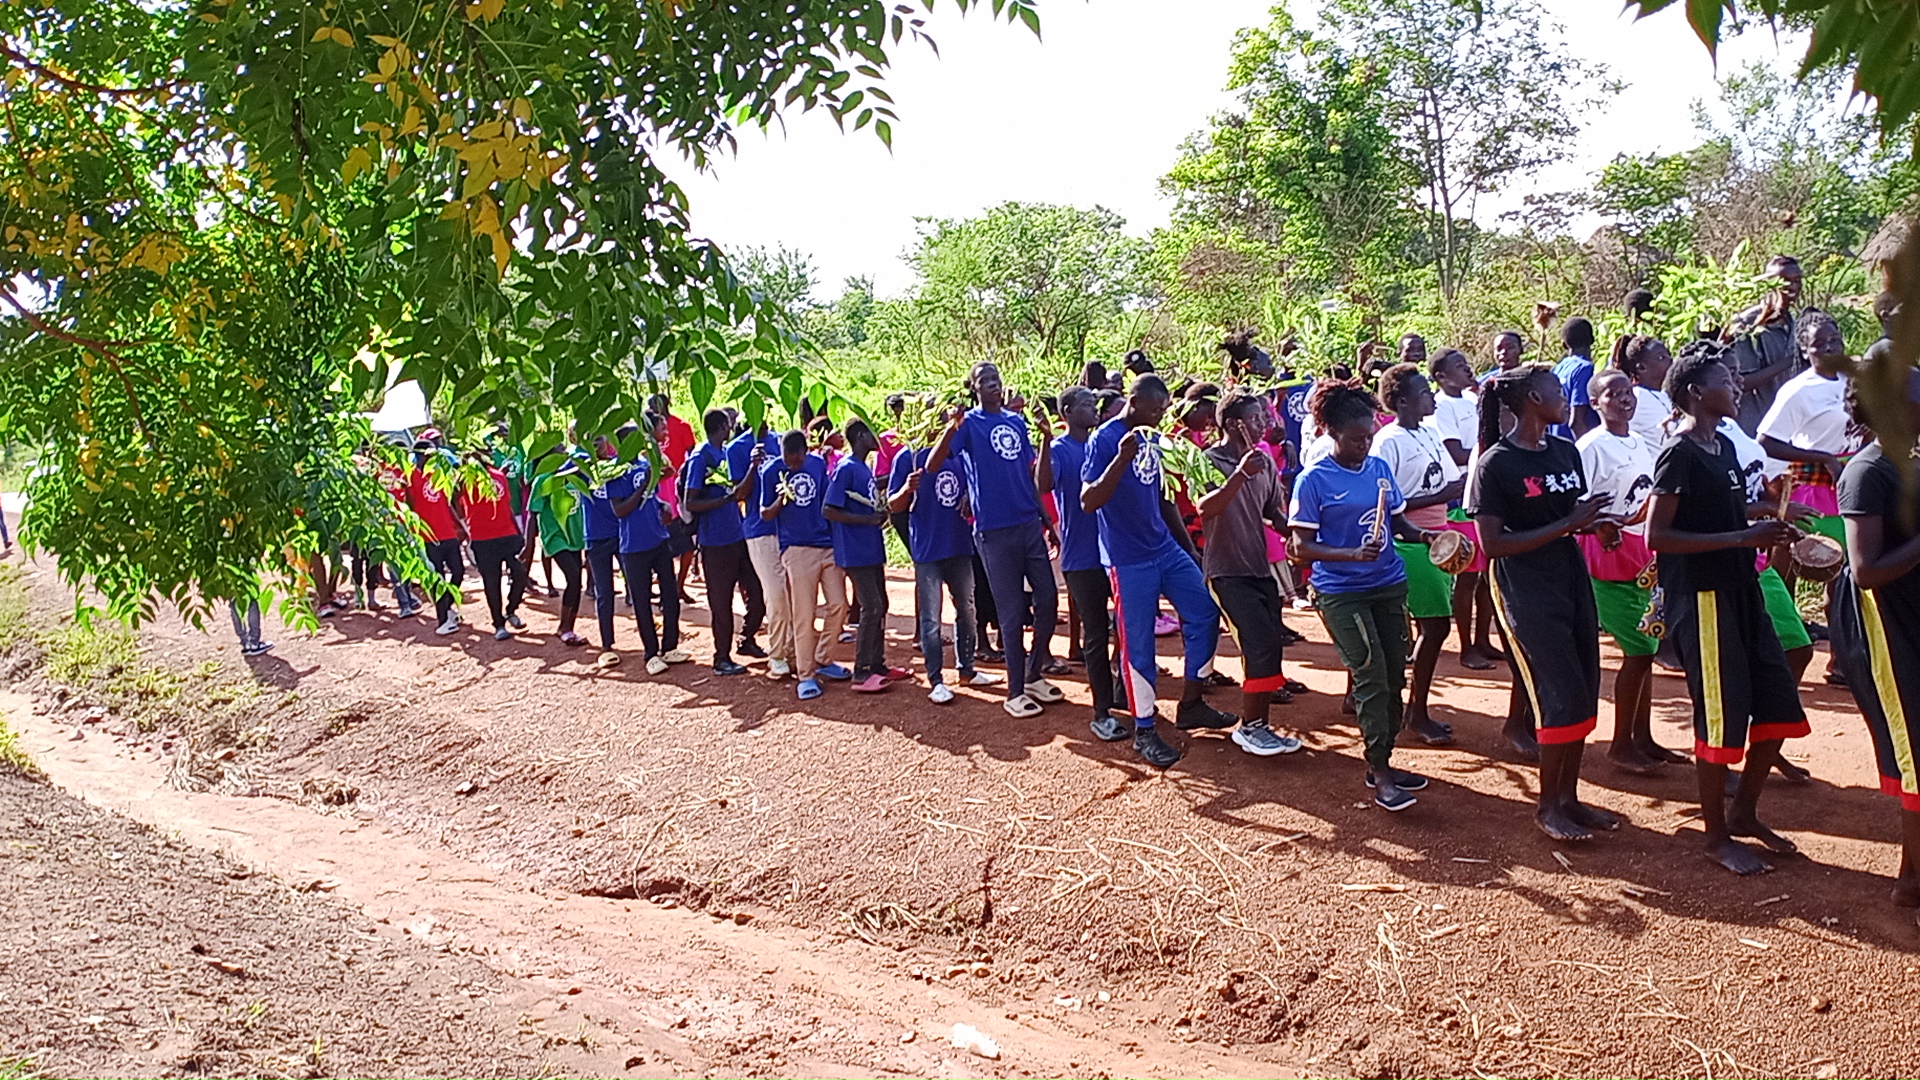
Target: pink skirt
x=1471 y=532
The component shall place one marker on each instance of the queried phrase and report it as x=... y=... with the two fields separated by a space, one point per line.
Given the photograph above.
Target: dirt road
x=901 y=867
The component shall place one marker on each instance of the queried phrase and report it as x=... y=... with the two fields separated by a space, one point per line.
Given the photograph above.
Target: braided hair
x=1690 y=369
x=1506 y=390
x=1396 y=383
x=1631 y=351
x=1334 y=402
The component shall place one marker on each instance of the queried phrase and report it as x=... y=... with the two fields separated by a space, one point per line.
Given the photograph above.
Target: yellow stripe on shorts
x=1708 y=614
x=1881 y=659
x=1513 y=648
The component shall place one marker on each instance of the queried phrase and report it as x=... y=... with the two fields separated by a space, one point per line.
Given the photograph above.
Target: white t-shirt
x=1810 y=413
x=1421 y=466
x=1755 y=465
x=1619 y=466
x=1321 y=446
x=1651 y=408
x=1457 y=418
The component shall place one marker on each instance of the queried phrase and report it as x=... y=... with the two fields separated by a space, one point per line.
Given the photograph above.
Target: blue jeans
x=1137 y=590
x=1016 y=560
x=956 y=573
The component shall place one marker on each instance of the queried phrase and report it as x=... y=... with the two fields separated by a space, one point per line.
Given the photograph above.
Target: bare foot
x=1521 y=738
x=1906 y=892
x=1557 y=823
x=1737 y=857
x=1627 y=757
x=1493 y=653
x=1654 y=750
x=1430 y=732
x=1751 y=828
x=1474 y=658
x=1791 y=773
x=1593 y=817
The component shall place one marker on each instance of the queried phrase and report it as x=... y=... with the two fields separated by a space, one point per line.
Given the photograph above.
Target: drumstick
x=1380 y=514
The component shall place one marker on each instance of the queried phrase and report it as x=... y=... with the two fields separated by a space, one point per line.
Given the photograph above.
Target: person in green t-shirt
x=561 y=532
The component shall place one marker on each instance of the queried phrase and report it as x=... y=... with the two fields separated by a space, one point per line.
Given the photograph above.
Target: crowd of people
x=1666 y=499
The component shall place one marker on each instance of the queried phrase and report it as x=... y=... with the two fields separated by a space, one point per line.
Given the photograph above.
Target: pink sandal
x=872 y=684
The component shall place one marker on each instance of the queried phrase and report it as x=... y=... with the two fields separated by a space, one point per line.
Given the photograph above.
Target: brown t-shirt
x=1237 y=538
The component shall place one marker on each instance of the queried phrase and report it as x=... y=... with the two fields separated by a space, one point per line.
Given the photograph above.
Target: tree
x=1027 y=276
x=1481 y=94
x=225 y=225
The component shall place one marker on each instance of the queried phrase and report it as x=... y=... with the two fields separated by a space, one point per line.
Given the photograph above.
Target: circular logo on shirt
x=1297 y=407
x=1007 y=442
x=946 y=488
x=803 y=488
x=1146 y=464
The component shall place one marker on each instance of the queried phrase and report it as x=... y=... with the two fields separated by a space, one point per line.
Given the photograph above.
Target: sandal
x=1022 y=707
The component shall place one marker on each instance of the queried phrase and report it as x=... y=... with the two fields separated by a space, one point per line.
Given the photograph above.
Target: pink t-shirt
x=889 y=449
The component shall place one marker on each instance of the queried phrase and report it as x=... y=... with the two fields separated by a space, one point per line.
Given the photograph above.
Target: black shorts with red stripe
x=1252 y=606
x=1743 y=691
x=1546 y=608
x=1877 y=647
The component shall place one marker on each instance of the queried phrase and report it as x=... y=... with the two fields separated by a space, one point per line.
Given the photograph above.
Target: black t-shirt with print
x=1527 y=489
x=1870 y=487
x=1712 y=492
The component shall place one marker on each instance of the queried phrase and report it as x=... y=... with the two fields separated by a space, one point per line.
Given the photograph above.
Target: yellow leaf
x=358 y=161
x=321 y=34
x=521 y=108
x=384 y=41
x=393 y=169
x=342 y=38
x=413 y=122
x=389 y=63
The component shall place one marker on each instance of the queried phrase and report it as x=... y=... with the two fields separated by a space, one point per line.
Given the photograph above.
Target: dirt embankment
x=1021 y=869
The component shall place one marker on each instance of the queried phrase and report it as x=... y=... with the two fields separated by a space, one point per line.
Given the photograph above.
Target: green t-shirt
x=557 y=532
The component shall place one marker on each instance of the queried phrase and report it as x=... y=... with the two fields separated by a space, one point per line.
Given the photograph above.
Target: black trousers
x=501 y=555
x=569 y=563
x=1093 y=597
x=601 y=555
x=444 y=556
x=726 y=568
x=869 y=650
x=642 y=569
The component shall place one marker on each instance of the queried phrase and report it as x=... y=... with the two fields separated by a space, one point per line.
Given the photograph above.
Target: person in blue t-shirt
x=747 y=456
x=1346 y=511
x=998 y=458
x=940 y=542
x=602 y=532
x=1087 y=587
x=646 y=558
x=793 y=488
x=714 y=492
x=1138 y=544
x=1575 y=372
x=857 y=514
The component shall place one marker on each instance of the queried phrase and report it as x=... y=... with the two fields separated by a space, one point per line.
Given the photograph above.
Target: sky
x=1094 y=112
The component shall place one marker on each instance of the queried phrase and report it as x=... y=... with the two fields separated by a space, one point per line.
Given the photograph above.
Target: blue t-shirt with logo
x=640 y=530
x=935 y=529
x=1341 y=504
x=721 y=525
x=1131 y=528
x=598 y=506
x=800 y=522
x=739 y=460
x=1575 y=373
x=851 y=489
x=998 y=457
x=1079 y=532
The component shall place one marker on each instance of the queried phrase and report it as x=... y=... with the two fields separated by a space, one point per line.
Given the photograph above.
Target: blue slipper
x=836 y=672
x=810 y=689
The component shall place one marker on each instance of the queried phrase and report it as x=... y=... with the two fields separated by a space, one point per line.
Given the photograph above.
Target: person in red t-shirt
x=675 y=444
x=441 y=528
x=496 y=541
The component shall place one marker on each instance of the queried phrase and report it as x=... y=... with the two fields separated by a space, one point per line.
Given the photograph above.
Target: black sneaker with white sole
x=750 y=647
x=1394 y=799
x=1198 y=714
x=1155 y=752
x=1111 y=728
x=1402 y=779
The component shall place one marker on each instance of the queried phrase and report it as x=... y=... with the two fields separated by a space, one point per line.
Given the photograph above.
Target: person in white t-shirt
x=1456 y=407
x=1646 y=360
x=1428 y=479
x=1619 y=464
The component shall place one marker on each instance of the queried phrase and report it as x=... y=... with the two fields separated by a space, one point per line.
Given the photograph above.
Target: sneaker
x=846 y=637
x=1402 y=779
x=327 y=611
x=516 y=622
x=1164 y=625
x=941 y=694
x=809 y=689
x=1044 y=692
x=676 y=656
x=872 y=684
x=656 y=665
x=259 y=648
x=1111 y=728
x=1218 y=681
x=728 y=667
x=502 y=634
x=1397 y=800
x=1260 y=740
x=408 y=611
x=451 y=625
x=990 y=656
x=1199 y=714
x=1153 y=750
x=985 y=678
x=750 y=647
x=778 y=668
x=836 y=672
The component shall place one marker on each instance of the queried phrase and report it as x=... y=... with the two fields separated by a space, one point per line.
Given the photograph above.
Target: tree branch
x=102 y=349
x=51 y=75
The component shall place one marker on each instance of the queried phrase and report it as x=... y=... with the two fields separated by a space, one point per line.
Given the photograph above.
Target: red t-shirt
x=431 y=504
x=678 y=443
x=489 y=510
